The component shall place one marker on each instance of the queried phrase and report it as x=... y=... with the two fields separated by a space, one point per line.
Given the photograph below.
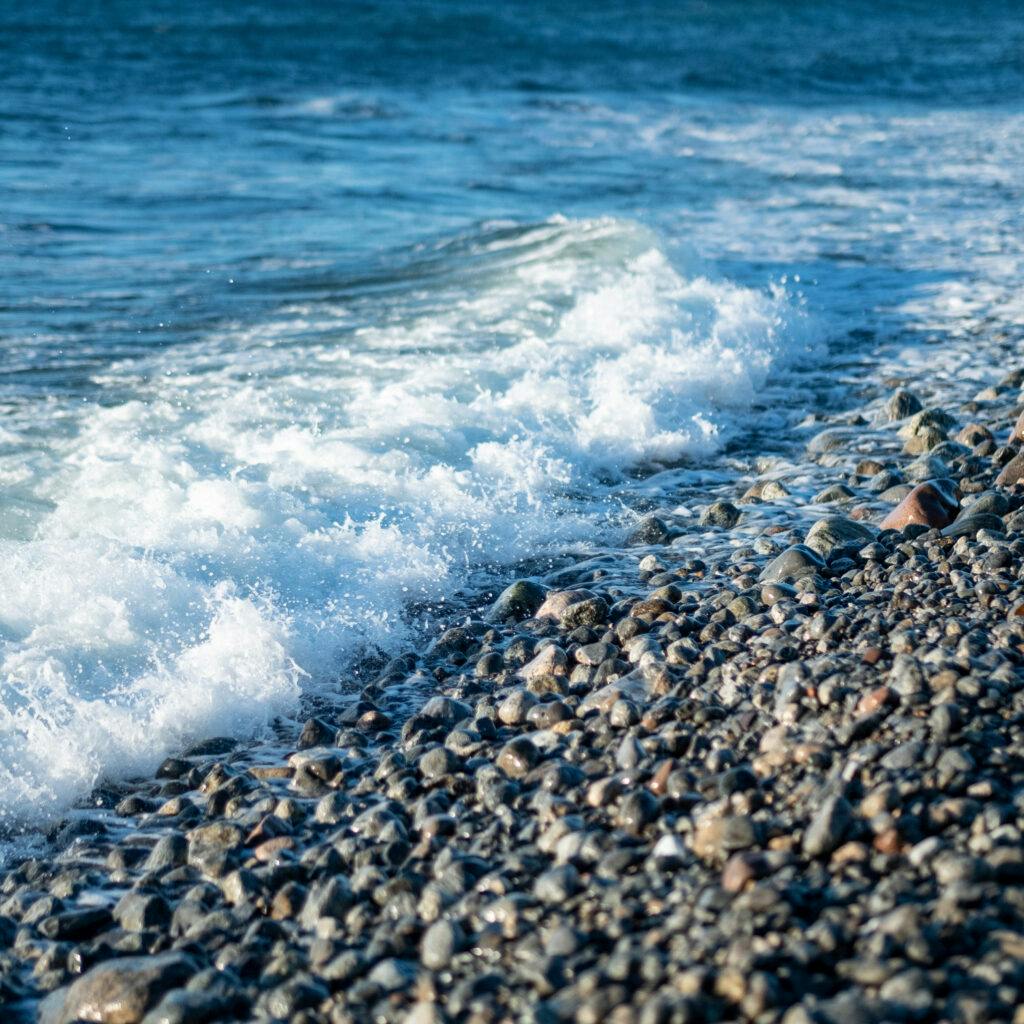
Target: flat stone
x=968 y=523
x=716 y=838
x=794 y=563
x=837 y=532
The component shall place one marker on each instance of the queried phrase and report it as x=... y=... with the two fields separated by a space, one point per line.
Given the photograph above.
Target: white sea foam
x=238 y=519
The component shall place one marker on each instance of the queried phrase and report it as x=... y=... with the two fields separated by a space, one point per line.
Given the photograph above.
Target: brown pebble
x=850 y=853
x=874 y=700
x=269 y=827
x=806 y=752
x=1016 y=433
x=932 y=504
x=1012 y=472
x=888 y=842
x=741 y=869
x=658 y=784
x=872 y=656
x=269 y=850
x=373 y=721
x=974 y=433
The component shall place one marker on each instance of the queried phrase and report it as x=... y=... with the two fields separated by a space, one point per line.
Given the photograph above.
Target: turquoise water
x=313 y=318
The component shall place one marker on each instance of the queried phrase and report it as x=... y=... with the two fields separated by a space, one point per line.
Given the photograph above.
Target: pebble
x=118 y=992
x=828 y=827
x=932 y=504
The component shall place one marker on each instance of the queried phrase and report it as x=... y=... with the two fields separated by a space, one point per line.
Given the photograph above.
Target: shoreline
x=688 y=791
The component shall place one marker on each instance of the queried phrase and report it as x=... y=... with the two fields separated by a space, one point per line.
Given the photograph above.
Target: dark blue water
x=312 y=314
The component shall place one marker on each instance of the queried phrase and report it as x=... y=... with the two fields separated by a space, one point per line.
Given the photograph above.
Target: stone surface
x=932 y=504
x=118 y=992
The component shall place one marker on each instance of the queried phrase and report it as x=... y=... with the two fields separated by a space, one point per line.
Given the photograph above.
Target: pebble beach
x=511 y=514
x=777 y=781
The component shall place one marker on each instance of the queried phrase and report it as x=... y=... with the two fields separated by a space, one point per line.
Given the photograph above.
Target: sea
x=320 y=322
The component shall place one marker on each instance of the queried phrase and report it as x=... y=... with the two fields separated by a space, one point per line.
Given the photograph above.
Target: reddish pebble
x=267 y=851
x=740 y=869
x=873 y=700
x=888 y=842
x=659 y=783
x=932 y=504
x=872 y=656
x=269 y=827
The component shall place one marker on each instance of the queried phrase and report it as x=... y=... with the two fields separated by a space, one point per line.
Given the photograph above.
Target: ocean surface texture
x=319 y=320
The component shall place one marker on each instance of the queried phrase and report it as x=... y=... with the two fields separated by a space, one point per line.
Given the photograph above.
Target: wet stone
x=518 y=601
x=118 y=992
x=723 y=514
x=518 y=757
x=794 y=563
x=650 y=530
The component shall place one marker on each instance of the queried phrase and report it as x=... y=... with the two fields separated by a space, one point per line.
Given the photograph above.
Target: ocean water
x=317 y=320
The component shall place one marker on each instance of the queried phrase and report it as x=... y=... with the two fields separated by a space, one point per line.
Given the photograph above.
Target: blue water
x=313 y=316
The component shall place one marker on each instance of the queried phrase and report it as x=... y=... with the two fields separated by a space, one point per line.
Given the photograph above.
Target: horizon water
x=317 y=323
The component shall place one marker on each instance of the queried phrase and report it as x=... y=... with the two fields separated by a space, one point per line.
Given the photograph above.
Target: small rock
x=518 y=757
x=828 y=827
x=902 y=404
x=723 y=514
x=1012 y=472
x=716 y=838
x=558 y=884
x=440 y=942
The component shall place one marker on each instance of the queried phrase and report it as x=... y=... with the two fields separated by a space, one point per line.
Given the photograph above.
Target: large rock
x=518 y=601
x=928 y=421
x=557 y=602
x=119 y=991
x=1017 y=432
x=837 y=532
x=650 y=530
x=723 y=514
x=550 y=661
x=1012 y=472
x=793 y=564
x=902 y=404
x=933 y=504
x=830 y=440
